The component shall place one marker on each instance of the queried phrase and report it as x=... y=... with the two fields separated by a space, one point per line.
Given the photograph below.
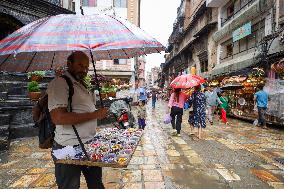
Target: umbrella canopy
x=186 y=81
x=46 y=43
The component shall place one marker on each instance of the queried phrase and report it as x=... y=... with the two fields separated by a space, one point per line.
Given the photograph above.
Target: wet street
x=238 y=156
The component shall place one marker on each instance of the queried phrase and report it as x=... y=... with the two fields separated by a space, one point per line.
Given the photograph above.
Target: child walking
x=141 y=114
x=223 y=103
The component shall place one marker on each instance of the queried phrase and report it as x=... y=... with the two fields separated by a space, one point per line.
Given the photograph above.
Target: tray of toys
x=111 y=147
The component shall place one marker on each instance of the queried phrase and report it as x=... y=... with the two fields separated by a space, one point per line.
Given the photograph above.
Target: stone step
x=18 y=97
x=16 y=103
x=5 y=119
x=23 y=130
x=4 y=130
x=3 y=96
x=19 y=114
x=4 y=143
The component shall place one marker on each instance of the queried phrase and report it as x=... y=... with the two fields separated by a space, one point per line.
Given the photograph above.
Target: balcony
x=215 y=3
x=181 y=10
x=55 y=2
x=248 y=14
x=236 y=9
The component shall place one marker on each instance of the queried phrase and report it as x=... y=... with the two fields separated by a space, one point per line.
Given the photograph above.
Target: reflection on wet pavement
x=236 y=156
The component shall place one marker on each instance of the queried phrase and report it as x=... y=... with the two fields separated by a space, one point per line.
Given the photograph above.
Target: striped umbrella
x=186 y=81
x=46 y=43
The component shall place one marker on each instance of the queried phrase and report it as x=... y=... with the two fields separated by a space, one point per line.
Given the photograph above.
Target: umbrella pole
x=96 y=79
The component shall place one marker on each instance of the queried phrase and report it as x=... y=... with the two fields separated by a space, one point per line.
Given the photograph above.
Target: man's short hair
x=260 y=87
x=71 y=57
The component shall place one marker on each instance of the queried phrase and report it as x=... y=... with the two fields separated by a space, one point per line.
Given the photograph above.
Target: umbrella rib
x=52 y=61
x=4 y=61
x=125 y=53
x=143 y=52
x=30 y=62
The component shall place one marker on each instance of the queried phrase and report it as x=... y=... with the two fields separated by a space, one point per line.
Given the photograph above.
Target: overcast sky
x=157 y=18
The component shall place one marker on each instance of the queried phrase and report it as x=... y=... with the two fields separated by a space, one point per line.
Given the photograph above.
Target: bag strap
x=71 y=93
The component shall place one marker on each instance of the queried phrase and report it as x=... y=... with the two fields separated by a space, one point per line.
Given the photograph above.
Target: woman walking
x=198 y=117
x=176 y=104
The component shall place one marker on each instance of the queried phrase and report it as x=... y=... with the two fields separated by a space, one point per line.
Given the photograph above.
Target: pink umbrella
x=187 y=81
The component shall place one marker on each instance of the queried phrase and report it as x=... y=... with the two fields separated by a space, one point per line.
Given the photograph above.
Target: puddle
x=3 y=157
x=190 y=177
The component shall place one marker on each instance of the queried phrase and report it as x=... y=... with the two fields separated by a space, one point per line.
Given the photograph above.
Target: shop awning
x=229 y=68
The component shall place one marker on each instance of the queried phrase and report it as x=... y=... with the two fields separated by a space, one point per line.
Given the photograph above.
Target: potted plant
x=112 y=92
x=104 y=91
x=87 y=81
x=34 y=90
x=36 y=75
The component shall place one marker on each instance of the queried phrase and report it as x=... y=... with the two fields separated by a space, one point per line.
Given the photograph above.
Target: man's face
x=80 y=67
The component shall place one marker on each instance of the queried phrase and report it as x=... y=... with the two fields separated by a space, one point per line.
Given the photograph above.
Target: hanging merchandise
x=275 y=89
x=278 y=67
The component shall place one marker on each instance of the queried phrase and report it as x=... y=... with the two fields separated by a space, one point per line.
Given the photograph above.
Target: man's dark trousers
x=261 y=116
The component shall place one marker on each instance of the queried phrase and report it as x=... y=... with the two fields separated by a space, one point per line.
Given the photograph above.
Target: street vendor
x=84 y=118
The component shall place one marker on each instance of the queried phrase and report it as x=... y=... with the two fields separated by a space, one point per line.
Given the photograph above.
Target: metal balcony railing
x=236 y=11
x=55 y=2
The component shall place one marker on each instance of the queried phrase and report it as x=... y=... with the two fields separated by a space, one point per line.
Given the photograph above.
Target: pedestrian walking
x=176 y=104
x=198 y=116
x=141 y=114
x=211 y=103
x=224 y=107
x=142 y=94
x=261 y=100
x=154 y=99
x=84 y=117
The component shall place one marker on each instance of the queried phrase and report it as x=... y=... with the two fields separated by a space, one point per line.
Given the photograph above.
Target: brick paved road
x=237 y=156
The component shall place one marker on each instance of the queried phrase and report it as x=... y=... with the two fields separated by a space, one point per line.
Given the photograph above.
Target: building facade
x=248 y=32
x=155 y=75
x=123 y=69
x=191 y=44
x=221 y=37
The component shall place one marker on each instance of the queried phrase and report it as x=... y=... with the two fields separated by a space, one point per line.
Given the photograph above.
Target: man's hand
x=168 y=110
x=101 y=113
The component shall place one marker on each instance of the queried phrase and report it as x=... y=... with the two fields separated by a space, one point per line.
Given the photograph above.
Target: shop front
x=240 y=90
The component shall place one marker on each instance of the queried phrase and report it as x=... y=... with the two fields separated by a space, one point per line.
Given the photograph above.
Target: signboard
x=242 y=32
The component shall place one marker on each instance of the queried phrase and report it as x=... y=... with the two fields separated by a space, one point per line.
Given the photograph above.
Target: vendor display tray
x=95 y=164
x=111 y=147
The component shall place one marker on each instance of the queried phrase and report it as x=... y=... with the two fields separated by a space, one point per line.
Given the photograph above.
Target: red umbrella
x=187 y=81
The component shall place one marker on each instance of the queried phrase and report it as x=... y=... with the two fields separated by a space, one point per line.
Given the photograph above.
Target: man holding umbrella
x=84 y=118
x=30 y=48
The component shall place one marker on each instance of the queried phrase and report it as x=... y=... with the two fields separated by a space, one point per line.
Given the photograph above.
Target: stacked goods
x=111 y=147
